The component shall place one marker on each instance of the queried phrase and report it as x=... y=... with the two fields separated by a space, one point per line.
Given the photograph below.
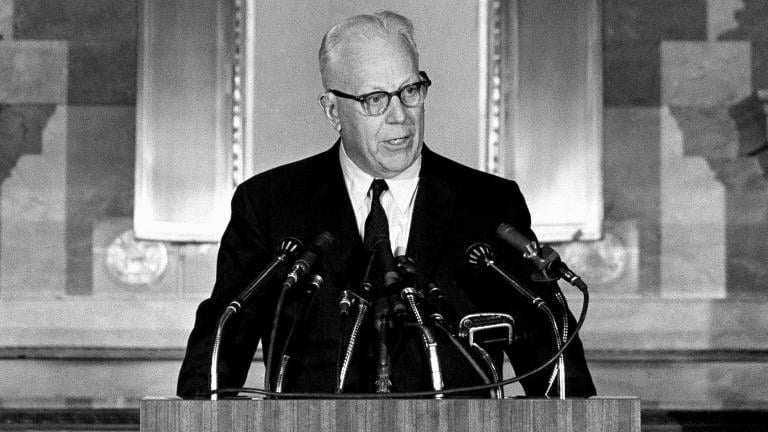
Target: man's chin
x=394 y=166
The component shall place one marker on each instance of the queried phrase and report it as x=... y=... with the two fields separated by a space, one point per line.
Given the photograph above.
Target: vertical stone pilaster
x=32 y=238
x=6 y=19
x=692 y=220
x=700 y=82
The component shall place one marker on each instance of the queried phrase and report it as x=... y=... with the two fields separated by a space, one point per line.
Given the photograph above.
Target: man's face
x=387 y=144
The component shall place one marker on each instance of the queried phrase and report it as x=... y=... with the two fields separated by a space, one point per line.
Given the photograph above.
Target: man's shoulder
x=317 y=167
x=461 y=175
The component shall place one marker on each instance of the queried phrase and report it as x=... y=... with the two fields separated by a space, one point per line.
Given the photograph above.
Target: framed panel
x=184 y=120
x=543 y=104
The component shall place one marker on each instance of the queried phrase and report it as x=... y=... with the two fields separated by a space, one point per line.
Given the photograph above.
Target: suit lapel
x=432 y=213
x=332 y=212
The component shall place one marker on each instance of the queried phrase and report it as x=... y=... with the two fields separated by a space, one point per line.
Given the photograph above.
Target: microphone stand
x=382 y=321
x=312 y=288
x=288 y=248
x=362 y=309
x=480 y=254
x=549 y=268
x=561 y=360
x=430 y=344
x=499 y=391
x=349 y=297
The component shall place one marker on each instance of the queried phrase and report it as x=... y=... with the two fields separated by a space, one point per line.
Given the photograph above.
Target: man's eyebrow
x=379 y=88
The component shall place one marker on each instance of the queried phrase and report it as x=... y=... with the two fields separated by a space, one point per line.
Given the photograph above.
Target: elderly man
x=378 y=181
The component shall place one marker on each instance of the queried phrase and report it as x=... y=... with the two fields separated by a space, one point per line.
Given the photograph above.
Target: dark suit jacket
x=455 y=206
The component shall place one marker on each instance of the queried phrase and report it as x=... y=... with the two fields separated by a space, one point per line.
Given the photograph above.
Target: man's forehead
x=361 y=60
x=365 y=45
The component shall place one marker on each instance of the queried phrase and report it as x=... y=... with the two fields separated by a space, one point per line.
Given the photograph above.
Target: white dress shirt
x=397 y=200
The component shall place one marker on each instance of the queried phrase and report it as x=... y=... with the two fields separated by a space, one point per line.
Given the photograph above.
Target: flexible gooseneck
x=362 y=309
x=430 y=343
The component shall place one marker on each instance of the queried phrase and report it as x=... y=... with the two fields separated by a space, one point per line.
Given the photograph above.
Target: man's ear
x=328 y=103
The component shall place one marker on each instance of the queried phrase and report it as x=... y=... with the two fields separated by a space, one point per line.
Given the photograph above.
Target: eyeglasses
x=375 y=103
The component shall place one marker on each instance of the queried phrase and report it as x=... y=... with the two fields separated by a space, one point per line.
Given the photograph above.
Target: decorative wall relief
x=609 y=265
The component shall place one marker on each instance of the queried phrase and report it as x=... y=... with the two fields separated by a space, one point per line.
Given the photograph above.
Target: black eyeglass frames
x=375 y=103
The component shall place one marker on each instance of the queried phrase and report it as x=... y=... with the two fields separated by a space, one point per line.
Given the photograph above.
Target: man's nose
x=395 y=112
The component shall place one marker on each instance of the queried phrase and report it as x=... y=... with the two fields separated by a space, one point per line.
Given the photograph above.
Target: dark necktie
x=376 y=225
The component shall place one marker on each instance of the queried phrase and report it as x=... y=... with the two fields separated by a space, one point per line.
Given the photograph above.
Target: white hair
x=381 y=24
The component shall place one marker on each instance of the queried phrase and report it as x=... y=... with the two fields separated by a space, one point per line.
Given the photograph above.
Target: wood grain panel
x=403 y=415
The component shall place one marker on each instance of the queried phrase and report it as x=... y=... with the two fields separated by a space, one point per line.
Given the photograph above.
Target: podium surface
x=599 y=414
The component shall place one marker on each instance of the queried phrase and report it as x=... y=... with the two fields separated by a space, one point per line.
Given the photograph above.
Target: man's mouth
x=397 y=141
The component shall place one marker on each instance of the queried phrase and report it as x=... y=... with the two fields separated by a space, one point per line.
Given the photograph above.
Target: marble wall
x=682 y=267
x=72 y=276
x=67 y=124
x=681 y=273
x=682 y=119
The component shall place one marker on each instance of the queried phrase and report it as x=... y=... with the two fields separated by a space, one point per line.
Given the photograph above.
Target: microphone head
x=323 y=242
x=379 y=241
x=406 y=266
x=385 y=264
x=391 y=280
x=513 y=237
x=434 y=292
x=316 y=282
x=319 y=245
x=289 y=247
x=530 y=249
x=479 y=254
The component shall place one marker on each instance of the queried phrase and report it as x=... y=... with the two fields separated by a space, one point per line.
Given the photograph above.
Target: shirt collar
x=402 y=186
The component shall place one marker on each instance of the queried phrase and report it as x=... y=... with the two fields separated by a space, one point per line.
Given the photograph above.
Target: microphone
x=407 y=272
x=373 y=257
x=406 y=269
x=385 y=262
x=442 y=310
x=481 y=255
x=544 y=258
x=382 y=311
x=320 y=245
x=290 y=348
x=389 y=296
x=288 y=248
x=363 y=301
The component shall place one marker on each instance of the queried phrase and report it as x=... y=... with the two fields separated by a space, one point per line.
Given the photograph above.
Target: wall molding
x=678 y=356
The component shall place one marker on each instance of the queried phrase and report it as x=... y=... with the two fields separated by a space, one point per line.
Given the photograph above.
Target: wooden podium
x=600 y=414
